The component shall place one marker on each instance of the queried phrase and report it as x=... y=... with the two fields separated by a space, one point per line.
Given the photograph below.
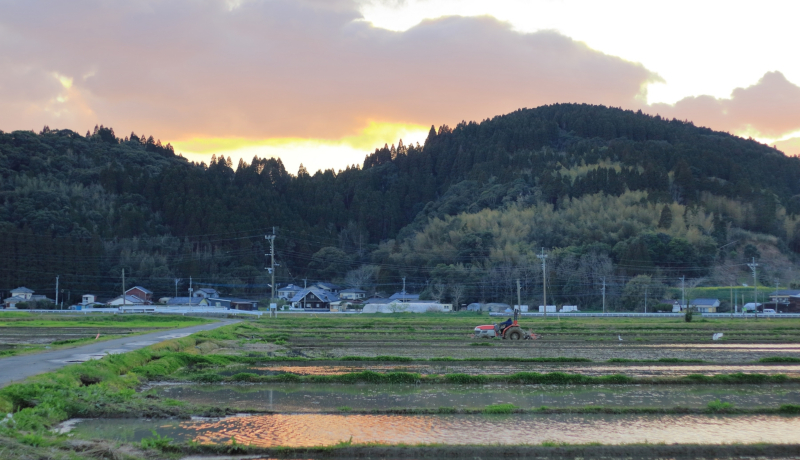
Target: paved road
x=16 y=368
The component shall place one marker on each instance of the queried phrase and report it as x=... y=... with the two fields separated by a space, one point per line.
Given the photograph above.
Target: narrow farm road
x=16 y=368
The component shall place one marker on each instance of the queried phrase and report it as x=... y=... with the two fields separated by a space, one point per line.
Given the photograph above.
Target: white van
x=769 y=311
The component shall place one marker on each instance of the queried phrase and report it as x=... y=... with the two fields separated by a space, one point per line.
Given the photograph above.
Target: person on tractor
x=505 y=324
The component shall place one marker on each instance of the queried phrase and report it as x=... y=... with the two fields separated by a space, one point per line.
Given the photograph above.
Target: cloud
x=260 y=69
x=769 y=109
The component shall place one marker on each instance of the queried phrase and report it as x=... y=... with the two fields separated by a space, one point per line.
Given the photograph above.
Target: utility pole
x=683 y=292
x=519 y=297
x=645 y=298
x=271 y=239
x=123 y=287
x=56 y=290
x=776 y=294
x=604 y=294
x=190 y=287
x=753 y=266
x=733 y=305
x=305 y=287
x=543 y=256
x=177 y=280
x=404 y=288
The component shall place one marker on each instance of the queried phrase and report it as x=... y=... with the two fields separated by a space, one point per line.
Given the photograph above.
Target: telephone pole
x=543 y=256
x=177 y=280
x=683 y=292
x=56 y=290
x=733 y=305
x=753 y=266
x=271 y=239
x=190 y=287
x=604 y=294
x=305 y=287
x=645 y=298
x=404 y=288
x=123 y=288
x=519 y=297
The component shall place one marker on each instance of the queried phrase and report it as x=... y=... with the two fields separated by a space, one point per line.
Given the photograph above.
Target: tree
x=457 y=292
x=329 y=263
x=633 y=296
x=665 y=220
x=438 y=291
x=362 y=277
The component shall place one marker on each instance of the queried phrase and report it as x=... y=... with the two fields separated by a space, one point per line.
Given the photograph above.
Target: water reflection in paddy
x=321 y=398
x=322 y=429
x=635 y=370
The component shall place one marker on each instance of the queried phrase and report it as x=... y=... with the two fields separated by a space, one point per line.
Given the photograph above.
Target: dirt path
x=16 y=368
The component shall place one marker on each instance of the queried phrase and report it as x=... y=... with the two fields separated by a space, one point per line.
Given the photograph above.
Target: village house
x=144 y=294
x=233 y=303
x=783 y=295
x=705 y=305
x=404 y=297
x=288 y=291
x=88 y=299
x=121 y=301
x=22 y=294
x=793 y=306
x=329 y=287
x=352 y=294
x=205 y=293
x=315 y=299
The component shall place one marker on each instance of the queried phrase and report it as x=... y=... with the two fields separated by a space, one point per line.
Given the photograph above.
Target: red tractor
x=507 y=330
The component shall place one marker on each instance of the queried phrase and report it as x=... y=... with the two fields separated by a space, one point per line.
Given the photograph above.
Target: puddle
x=319 y=429
x=179 y=335
x=634 y=370
x=323 y=398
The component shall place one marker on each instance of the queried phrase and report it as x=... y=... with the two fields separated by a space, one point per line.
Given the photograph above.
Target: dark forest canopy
x=469 y=208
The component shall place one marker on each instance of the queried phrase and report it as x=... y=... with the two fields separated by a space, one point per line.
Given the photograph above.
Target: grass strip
x=660 y=360
x=522 y=378
x=779 y=359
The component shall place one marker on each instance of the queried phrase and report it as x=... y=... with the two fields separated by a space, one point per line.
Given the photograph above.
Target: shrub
x=779 y=359
x=719 y=406
x=789 y=409
x=499 y=409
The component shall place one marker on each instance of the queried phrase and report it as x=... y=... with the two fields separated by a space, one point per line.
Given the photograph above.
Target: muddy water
x=323 y=398
x=635 y=370
x=320 y=429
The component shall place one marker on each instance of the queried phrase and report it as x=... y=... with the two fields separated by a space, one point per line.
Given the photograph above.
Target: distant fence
x=654 y=315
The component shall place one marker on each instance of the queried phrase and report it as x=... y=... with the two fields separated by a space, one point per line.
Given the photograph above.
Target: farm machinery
x=509 y=329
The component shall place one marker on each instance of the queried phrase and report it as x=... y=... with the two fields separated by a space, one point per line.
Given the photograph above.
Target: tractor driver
x=505 y=324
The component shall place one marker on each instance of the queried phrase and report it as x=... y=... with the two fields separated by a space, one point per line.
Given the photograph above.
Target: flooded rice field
x=481 y=368
x=326 y=429
x=597 y=351
x=326 y=398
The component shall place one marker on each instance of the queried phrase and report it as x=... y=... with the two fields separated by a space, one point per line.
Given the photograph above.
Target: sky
x=325 y=82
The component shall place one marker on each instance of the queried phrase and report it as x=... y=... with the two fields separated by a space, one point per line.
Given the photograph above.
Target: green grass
x=719 y=406
x=499 y=409
x=55 y=320
x=779 y=359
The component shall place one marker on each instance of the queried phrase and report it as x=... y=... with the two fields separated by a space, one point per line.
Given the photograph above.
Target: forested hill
x=633 y=193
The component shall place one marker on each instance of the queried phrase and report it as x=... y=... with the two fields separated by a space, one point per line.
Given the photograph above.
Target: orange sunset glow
x=324 y=83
